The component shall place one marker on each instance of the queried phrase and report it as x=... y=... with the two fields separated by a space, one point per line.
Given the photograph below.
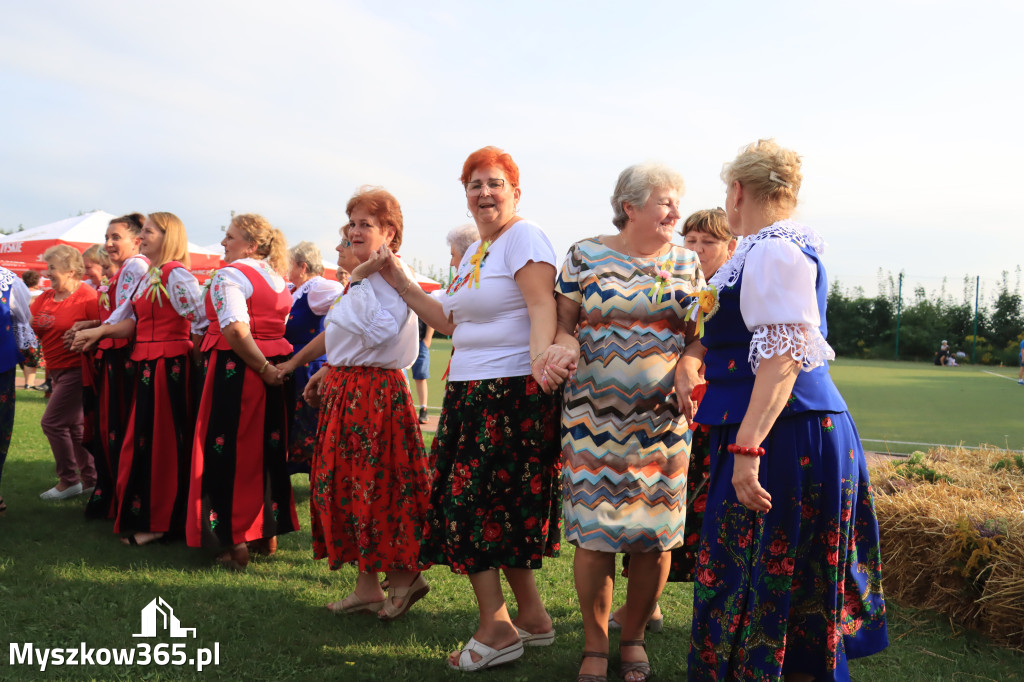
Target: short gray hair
x=462 y=237
x=635 y=185
x=308 y=253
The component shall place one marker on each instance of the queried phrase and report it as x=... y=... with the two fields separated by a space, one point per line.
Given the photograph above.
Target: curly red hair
x=383 y=206
x=491 y=156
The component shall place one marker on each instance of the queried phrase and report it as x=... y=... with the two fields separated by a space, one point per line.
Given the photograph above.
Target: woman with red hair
x=494 y=500
x=370 y=474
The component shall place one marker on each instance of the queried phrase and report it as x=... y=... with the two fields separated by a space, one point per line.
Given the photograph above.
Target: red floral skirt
x=370 y=477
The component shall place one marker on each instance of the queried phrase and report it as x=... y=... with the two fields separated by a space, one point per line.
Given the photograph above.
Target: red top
x=50 y=319
x=268 y=312
x=160 y=331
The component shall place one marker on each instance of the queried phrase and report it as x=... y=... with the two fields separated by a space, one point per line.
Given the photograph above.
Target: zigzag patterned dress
x=625 y=448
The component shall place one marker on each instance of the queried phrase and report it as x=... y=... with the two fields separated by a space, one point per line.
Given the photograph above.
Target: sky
x=907 y=114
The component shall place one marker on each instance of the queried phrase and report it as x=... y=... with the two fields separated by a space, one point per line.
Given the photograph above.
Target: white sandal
x=489 y=657
x=536 y=639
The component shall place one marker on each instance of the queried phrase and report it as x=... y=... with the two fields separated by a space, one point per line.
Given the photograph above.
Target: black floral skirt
x=495 y=500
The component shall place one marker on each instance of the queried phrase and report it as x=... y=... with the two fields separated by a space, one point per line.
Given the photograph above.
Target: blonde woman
x=240 y=497
x=99 y=269
x=164 y=316
x=788 y=571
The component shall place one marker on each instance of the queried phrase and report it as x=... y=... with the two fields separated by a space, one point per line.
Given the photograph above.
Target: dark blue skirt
x=797 y=589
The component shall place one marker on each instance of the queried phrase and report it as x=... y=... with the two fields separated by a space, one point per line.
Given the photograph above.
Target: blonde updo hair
x=307 y=253
x=175 y=246
x=770 y=173
x=635 y=185
x=97 y=254
x=270 y=243
x=64 y=258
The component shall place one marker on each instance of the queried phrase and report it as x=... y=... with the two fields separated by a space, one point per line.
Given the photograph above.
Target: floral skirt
x=107 y=403
x=239 y=488
x=153 y=464
x=799 y=588
x=370 y=476
x=495 y=500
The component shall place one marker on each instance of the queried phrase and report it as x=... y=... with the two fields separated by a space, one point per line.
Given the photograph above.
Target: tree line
x=864 y=327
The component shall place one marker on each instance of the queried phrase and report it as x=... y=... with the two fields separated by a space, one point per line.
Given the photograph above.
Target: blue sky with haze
x=907 y=114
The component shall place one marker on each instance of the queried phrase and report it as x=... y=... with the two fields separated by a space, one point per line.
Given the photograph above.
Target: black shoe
x=44 y=387
x=423 y=415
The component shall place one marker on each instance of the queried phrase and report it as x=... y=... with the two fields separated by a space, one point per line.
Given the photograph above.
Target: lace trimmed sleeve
x=779 y=305
x=321 y=294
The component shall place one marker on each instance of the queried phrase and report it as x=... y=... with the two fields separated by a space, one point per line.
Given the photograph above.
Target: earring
x=468 y=214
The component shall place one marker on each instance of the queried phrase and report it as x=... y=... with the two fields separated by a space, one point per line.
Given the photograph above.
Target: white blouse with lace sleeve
x=779 y=305
x=230 y=290
x=321 y=293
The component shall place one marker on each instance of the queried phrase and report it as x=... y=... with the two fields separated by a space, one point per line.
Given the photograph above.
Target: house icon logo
x=158 y=615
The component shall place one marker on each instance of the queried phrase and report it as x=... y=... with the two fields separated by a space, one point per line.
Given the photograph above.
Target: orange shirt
x=50 y=319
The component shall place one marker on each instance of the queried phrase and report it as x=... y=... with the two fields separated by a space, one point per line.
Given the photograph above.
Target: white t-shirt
x=371 y=326
x=492 y=325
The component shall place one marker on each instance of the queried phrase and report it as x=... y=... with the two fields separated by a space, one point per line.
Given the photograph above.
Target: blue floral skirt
x=797 y=589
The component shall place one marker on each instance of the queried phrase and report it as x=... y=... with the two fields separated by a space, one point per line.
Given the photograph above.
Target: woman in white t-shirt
x=494 y=500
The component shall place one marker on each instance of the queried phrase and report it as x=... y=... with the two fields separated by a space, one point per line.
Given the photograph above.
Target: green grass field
x=66 y=581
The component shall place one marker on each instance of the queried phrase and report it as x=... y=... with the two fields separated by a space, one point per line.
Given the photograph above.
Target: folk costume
x=15 y=334
x=240 y=490
x=796 y=589
x=370 y=476
x=108 y=379
x=310 y=302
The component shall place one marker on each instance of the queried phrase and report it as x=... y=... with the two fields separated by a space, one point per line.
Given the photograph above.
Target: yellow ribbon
x=476 y=261
x=156 y=286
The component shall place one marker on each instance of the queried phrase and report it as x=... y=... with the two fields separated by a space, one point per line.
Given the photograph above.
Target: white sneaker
x=69 y=492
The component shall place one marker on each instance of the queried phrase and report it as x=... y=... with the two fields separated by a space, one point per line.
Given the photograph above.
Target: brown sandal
x=642 y=667
x=588 y=677
x=236 y=558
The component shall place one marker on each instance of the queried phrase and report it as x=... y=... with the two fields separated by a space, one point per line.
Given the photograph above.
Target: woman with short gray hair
x=459 y=240
x=312 y=297
x=625 y=437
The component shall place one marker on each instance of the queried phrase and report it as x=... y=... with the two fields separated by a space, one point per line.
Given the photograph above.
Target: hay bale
x=952 y=533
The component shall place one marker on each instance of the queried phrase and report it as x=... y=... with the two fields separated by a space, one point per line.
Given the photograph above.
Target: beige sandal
x=409 y=596
x=353 y=604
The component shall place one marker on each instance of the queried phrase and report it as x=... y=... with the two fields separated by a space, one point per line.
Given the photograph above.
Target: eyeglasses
x=476 y=187
x=345 y=243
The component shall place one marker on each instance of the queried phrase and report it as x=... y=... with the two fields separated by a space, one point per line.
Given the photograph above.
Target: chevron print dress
x=625 y=449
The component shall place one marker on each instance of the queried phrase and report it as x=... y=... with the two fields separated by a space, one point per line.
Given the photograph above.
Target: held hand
x=555 y=365
x=286 y=367
x=748 y=489
x=272 y=376
x=682 y=391
x=85 y=340
x=373 y=264
x=393 y=273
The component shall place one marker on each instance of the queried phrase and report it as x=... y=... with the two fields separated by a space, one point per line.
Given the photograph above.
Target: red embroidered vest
x=268 y=311
x=160 y=332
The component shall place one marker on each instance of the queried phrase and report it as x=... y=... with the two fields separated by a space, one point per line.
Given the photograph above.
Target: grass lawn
x=66 y=581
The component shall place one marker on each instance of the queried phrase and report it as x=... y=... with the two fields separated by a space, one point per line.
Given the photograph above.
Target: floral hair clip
x=156 y=286
x=704 y=305
x=103 y=288
x=776 y=178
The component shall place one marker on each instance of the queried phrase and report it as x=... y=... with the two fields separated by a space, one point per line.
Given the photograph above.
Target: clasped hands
x=553 y=366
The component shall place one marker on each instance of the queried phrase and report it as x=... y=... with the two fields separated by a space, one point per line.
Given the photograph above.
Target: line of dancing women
x=700 y=433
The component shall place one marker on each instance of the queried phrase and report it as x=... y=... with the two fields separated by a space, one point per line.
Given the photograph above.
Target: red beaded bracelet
x=749 y=452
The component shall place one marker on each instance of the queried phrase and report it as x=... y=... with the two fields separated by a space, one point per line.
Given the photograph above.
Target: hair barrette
x=774 y=177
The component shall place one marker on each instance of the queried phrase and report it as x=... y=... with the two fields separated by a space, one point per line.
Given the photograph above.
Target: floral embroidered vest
x=268 y=310
x=9 y=354
x=160 y=332
x=303 y=325
x=111 y=306
x=730 y=379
